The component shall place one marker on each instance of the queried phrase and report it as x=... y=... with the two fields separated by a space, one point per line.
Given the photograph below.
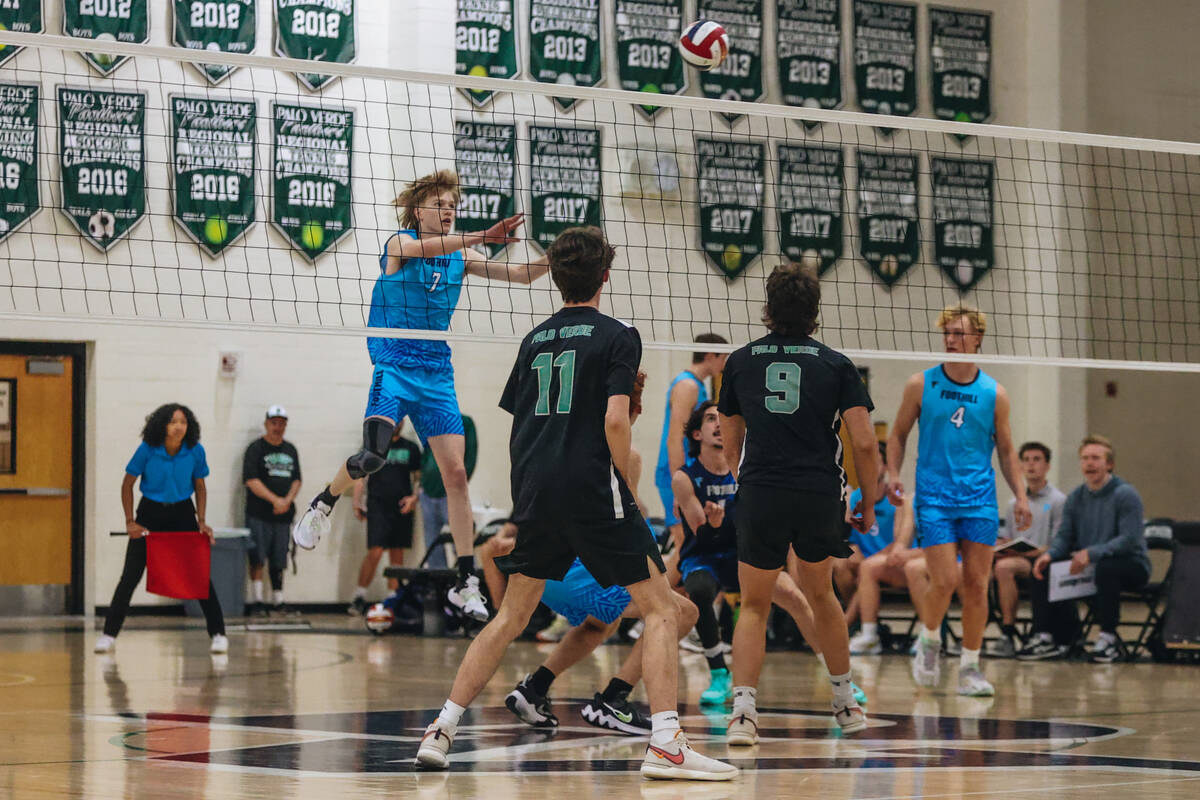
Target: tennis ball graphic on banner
x=216 y=230
x=732 y=258
x=312 y=235
x=105 y=59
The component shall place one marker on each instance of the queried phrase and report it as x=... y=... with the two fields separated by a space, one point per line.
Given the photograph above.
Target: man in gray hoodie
x=1101 y=525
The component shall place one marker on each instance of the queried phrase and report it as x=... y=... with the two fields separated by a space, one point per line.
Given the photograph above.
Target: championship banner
x=486 y=40
x=22 y=16
x=224 y=26
x=811 y=184
x=809 y=44
x=887 y=212
x=962 y=219
x=106 y=21
x=960 y=57
x=102 y=156
x=564 y=172
x=731 y=177
x=318 y=30
x=19 y=199
x=564 y=44
x=485 y=158
x=213 y=142
x=648 y=58
x=311 y=158
x=739 y=77
x=885 y=57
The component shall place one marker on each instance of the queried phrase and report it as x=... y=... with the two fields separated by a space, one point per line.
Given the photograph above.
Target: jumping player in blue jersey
x=421 y=276
x=962 y=413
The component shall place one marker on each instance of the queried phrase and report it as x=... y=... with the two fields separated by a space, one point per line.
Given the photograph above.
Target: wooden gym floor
x=334 y=714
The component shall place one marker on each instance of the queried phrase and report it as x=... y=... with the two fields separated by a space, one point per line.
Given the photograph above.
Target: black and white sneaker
x=617 y=714
x=530 y=707
x=358 y=607
x=467 y=598
x=1042 y=648
x=1106 y=651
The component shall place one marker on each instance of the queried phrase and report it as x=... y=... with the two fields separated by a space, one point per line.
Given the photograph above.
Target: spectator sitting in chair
x=1101 y=526
x=1046 y=504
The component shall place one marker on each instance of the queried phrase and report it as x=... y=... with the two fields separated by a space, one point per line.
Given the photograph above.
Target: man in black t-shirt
x=569 y=394
x=784 y=397
x=271 y=473
x=388 y=511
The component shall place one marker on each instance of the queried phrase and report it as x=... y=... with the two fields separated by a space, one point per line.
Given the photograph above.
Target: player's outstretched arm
x=1010 y=465
x=733 y=437
x=906 y=417
x=685 y=497
x=511 y=271
x=401 y=246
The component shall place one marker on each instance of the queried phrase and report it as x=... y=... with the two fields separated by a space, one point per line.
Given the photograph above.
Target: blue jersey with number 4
x=957 y=436
x=421 y=295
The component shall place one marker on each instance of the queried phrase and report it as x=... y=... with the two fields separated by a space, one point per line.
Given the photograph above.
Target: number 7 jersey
x=957 y=436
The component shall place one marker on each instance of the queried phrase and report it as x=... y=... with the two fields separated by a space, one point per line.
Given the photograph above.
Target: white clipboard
x=1065 y=586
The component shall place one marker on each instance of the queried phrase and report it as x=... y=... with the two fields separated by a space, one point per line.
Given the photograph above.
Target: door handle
x=36 y=491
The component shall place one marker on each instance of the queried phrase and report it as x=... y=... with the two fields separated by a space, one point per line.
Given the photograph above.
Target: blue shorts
x=724 y=569
x=426 y=396
x=936 y=525
x=578 y=596
x=668 y=500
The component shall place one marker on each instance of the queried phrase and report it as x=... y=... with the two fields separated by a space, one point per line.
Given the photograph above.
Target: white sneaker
x=971 y=683
x=926 y=669
x=104 y=644
x=678 y=761
x=742 y=730
x=555 y=631
x=312 y=525
x=467 y=598
x=863 y=645
x=850 y=718
x=435 y=744
x=220 y=644
x=691 y=642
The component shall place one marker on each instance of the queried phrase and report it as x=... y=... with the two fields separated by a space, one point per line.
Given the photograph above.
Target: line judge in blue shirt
x=171 y=464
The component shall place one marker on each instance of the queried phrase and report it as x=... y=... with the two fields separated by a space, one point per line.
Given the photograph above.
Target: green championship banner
x=962 y=219
x=809 y=44
x=811 y=184
x=731 y=178
x=888 y=231
x=219 y=26
x=648 y=58
x=106 y=21
x=960 y=57
x=318 y=30
x=311 y=160
x=564 y=172
x=102 y=155
x=739 y=76
x=19 y=199
x=22 y=16
x=213 y=143
x=486 y=41
x=485 y=158
x=885 y=57
x=564 y=44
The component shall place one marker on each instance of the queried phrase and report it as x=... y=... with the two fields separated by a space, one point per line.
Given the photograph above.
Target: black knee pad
x=377 y=437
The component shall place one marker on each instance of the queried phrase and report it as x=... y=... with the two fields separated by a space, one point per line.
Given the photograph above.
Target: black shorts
x=769 y=520
x=613 y=551
x=387 y=527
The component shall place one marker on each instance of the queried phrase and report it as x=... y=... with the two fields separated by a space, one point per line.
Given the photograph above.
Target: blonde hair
x=977 y=318
x=417 y=193
x=1103 y=441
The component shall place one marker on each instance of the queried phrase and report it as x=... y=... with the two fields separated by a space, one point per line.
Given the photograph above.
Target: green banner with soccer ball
x=311 y=175
x=485 y=39
x=888 y=228
x=648 y=58
x=18 y=156
x=102 y=155
x=106 y=21
x=22 y=16
x=731 y=178
x=213 y=144
x=218 y=26
x=739 y=76
x=564 y=173
x=318 y=30
x=564 y=44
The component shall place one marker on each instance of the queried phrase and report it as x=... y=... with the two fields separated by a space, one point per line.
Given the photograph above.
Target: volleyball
x=704 y=44
x=380 y=619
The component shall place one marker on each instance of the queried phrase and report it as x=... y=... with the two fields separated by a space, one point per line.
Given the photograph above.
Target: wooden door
x=35 y=469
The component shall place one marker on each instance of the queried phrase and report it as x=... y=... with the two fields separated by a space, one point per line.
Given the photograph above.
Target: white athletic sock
x=969 y=658
x=843 y=689
x=664 y=725
x=257 y=587
x=277 y=597
x=360 y=593
x=713 y=651
x=870 y=630
x=450 y=715
x=745 y=700
x=932 y=635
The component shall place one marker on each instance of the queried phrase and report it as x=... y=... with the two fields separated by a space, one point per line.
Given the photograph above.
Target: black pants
x=1113 y=576
x=154 y=516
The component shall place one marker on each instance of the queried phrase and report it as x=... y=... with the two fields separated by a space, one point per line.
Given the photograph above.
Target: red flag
x=178 y=564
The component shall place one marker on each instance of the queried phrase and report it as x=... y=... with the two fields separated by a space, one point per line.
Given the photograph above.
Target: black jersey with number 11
x=791 y=391
x=558 y=393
